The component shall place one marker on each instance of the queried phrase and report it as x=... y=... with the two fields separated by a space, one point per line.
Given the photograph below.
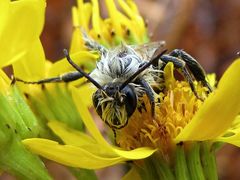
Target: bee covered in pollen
x=124 y=74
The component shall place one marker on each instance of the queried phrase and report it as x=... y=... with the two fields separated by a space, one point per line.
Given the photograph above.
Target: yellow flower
x=81 y=17
x=111 y=31
x=19 y=40
x=211 y=122
x=182 y=117
x=181 y=121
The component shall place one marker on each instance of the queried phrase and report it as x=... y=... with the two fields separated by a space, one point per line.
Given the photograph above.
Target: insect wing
x=147 y=51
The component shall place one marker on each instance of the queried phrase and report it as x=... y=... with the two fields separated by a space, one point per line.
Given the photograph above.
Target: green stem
x=156 y=167
x=15 y=159
x=181 y=168
x=147 y=171
x=194 y=162
x=164 y=171
x=208 y=161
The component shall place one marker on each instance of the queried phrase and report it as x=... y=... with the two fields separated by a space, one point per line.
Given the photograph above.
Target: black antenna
x=141 y=69
x=65 y=51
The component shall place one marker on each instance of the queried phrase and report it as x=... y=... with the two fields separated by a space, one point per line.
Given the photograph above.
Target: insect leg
x=149 y=93
x=195 y=68
x=180 y=64
x=67 y=77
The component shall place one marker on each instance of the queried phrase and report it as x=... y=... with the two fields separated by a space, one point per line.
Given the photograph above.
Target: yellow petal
x=236 y=123
x=96 y=17
x=76 y=138
x=133 y=6
x=127 y=9
x=32 y=65
x=69 y=155
x=75 y=19
x=81 y=14
x=4 y=4
x=87 y=8
x=233 y=139
x=211 y=78
x=133 y=15
x=87 y=118
x=126 y=22
x=218 y=111
x=22 y=28
x=77 y=43
x=169 y=75
x=232 y=136
x=80 y=58
x=138 y=153
x=87 y=91
x=4 y=82
x=113 y=13
x=70 y=136
x=80 y=11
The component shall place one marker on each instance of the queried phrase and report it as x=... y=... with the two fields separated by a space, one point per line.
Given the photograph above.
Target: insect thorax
x=114 y=68
x=117 y=65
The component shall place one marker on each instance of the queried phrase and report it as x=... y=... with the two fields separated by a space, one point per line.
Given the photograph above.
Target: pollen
x=175 y=106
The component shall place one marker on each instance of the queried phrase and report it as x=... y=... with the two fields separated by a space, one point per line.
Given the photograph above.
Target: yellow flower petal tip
x=218 y=111
x=76 y=156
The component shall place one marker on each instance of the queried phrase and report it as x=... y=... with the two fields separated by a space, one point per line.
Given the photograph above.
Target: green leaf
x=15 y=159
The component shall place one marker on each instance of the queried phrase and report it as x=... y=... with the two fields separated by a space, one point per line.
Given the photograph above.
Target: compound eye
x=130 y=99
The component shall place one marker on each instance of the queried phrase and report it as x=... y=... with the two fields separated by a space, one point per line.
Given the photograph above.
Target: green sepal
x=18 y=161
x=208 y=158
x=26 y=114
x=181 y=168
x=16 y=116
x=194 y=161
x=18 y=122
x=164 y=170
x=156 y=167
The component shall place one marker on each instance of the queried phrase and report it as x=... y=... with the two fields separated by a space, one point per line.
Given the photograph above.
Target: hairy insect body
x=125 y=73
x=113 y=104
x=117 y=65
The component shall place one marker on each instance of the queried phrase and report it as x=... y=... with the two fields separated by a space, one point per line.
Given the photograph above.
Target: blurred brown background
x=209 y=30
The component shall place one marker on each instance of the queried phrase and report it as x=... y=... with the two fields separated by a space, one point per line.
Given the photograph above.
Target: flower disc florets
x=175 y=107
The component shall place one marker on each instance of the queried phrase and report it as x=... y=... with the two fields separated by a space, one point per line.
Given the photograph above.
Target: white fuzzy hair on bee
x=118 y=64
x=124 y=74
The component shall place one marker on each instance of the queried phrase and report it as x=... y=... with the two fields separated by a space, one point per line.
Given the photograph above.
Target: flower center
x=174 y=109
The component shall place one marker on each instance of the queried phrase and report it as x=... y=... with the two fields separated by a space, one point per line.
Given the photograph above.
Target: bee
x=124 y=74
